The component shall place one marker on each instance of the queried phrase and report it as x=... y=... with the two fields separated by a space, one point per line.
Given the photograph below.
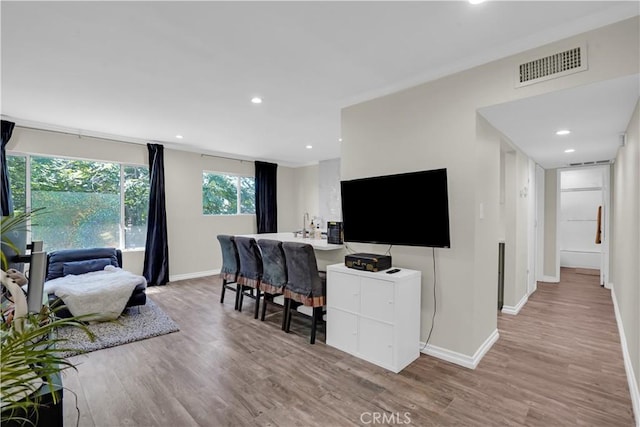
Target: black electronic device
x=368 y=262
x=335 y=234
x=393 y=271
x=410 y=209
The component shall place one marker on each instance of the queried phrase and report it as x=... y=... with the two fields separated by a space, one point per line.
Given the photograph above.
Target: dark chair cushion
x=250 y=261
x=274 y=264
x=230 y=257
x=305 y=284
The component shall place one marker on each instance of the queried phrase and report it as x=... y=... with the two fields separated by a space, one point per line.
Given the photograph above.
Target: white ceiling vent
x=597 y=162
x=552 y=66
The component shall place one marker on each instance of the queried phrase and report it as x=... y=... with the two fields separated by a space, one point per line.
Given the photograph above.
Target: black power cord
x=435 y=305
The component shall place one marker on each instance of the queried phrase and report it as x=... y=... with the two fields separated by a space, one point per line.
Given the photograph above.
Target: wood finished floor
x=557 y=363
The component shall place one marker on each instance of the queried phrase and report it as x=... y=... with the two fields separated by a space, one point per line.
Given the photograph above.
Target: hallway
x=563 y=348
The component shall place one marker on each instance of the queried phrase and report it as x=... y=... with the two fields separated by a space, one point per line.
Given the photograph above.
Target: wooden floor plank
x=557 y=363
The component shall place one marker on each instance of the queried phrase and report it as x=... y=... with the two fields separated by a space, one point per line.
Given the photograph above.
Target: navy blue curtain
x=266 y=197
x=156 y=256
x=7 y=202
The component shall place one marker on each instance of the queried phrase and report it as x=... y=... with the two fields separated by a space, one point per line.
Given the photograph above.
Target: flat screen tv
x=408 y=209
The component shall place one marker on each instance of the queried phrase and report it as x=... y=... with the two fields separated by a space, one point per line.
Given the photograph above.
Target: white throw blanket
x=102 y=294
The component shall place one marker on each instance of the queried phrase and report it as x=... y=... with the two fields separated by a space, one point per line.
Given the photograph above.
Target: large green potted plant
x=30 y=352
x=31 y=357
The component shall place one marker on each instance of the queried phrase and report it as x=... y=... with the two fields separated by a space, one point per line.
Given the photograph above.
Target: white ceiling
x=597 y=115
x=147 y=71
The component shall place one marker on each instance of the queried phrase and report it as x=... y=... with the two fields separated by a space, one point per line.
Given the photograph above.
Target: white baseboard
x=608 y=285
x=550 y=279
x=507 y=309
x=458 y=358
x=195 y=275
x=628 y=367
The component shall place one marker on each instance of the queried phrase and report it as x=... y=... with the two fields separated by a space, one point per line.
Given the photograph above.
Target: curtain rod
x=142 y=142
x=227 y=158
x=80 y=135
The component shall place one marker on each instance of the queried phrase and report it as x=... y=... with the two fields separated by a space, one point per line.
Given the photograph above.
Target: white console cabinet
x=374 y=316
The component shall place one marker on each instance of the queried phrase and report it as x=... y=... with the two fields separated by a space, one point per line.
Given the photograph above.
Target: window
x=17 y=167
x=136 y=206
x=227 y=194
x=86 y=203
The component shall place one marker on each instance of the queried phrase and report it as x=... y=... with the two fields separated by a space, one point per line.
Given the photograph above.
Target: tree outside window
x=17 y=167
x=227 y=194
x=136 y=205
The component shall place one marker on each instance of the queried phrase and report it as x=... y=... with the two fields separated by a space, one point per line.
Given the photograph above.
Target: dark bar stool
x=274 y=276
x=306 y=285
x=250 y=273
x=230 y=266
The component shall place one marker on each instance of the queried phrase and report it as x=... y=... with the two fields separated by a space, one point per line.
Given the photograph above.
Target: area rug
x=136 y=323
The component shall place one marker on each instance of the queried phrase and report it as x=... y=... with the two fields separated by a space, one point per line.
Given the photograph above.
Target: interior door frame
x=606 y=225
x=532 y=201
x=539 y=222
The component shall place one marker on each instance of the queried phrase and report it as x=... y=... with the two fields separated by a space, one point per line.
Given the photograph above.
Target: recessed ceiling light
x=339 y=139
x=179 y=136
x=308 y=147
x=476 y=1
x=569 y=150
x=256 y=100
x=563 y=132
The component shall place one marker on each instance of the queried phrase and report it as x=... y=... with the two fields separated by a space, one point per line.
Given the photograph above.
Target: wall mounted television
x=408 y=209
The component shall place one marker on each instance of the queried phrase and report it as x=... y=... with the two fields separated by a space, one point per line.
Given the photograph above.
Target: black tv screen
x=409 y=209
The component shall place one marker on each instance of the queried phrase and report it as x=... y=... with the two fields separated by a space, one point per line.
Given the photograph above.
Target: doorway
x=583 y=220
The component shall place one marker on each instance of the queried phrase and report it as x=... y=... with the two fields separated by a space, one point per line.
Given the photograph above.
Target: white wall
x=513 y=225
x=625 y=248
x=434 y=125
x=306 y=195
x=487 y=227
x=289 y=218
x=192 y=236
x=510 y=239
x=523 y=218
x=330 y=208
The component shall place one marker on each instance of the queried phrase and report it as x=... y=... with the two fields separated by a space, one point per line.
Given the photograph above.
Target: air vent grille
x=597 y=162
x=552 y=66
